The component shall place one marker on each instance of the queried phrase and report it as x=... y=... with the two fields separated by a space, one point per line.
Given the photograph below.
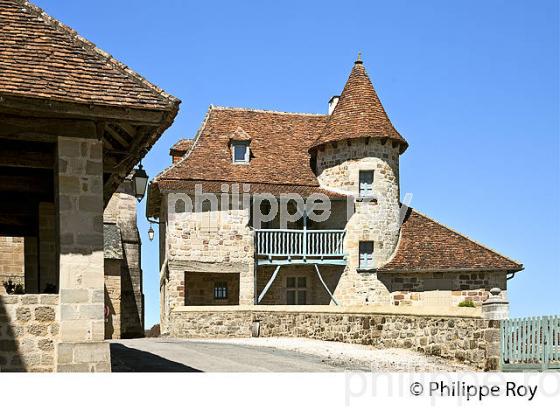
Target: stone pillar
x=495 y=307
x=247 y=285
x=80 y=227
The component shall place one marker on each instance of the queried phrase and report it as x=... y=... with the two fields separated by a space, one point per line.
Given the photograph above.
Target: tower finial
x=359 y=60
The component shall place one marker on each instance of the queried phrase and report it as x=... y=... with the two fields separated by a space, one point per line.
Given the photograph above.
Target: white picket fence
x=530 y=343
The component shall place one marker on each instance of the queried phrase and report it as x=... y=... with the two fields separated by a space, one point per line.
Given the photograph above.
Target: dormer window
x=240 y=152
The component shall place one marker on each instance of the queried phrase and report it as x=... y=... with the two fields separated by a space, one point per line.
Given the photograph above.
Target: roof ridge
x=466 y=237
x=91 y=47
x=224 y=108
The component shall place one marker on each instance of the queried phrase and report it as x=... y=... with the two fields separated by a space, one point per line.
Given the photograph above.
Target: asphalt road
x=172 y=355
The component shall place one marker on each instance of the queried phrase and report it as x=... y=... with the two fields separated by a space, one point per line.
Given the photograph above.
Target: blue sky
x=472 y=85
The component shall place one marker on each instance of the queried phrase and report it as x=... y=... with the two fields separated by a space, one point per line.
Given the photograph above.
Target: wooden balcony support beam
x=325 y=285
x=268 y=285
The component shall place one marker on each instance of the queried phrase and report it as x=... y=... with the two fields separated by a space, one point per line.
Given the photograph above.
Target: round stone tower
x=358 y=153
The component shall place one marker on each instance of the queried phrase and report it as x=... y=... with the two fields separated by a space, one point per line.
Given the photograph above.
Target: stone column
x=495 y=307
x=81 y=266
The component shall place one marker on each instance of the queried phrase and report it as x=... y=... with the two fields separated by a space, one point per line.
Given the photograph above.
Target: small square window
x=240 y=152
x=220 y=290
x=296 y=292
x=366 y=255
x=366 y=184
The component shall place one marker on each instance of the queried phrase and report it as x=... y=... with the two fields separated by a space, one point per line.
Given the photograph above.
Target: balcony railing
x=300 y=244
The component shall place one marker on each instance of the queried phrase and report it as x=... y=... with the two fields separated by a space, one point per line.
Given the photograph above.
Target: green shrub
x=467 y=303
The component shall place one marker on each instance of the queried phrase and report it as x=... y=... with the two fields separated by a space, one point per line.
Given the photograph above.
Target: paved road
x=172 y=355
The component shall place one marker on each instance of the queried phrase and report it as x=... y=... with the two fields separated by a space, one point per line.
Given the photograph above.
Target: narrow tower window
x=366 y=255
x=366 y=183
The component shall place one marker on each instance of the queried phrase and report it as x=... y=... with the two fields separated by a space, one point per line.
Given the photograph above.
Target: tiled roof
x=426 y=245
x=359 y=113
x=279 y=144
x=42 y=58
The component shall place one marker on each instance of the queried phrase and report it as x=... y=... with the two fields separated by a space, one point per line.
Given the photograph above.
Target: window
x=220 y=290
x=366 y=183
x=240 y=151
x=366 y=255
x=296 y=290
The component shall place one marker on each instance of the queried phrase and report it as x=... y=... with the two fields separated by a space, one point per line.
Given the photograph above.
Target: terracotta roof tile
x=359 y=113
x=279 y=144
x=42 y=58
x=426 y=245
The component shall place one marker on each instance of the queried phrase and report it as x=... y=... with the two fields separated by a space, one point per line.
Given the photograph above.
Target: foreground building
x=73 y=123
x=370 y=251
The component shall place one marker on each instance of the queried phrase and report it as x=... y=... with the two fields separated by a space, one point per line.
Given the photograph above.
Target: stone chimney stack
x=333 y=102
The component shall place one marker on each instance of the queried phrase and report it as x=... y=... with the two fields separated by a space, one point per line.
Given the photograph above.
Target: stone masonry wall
x=465 y=339
x=443 y=289
x=28 y=332
x=206 y=242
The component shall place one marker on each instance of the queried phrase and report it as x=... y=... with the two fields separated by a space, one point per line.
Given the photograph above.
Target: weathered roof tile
x=43 y=58
x=426 y=245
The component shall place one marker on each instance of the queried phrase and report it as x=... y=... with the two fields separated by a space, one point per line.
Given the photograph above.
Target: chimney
x=332 y=103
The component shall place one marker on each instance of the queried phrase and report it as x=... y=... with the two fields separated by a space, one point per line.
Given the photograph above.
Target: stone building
x=124 y=299
x=368 y=249
x=73 y=124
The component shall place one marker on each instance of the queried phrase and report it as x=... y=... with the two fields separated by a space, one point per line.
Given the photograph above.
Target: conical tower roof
x=359 y=113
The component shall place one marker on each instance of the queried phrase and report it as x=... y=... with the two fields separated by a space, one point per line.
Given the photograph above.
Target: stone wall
x=121 y=210
x=206 y=242
x=28 y=332
x=443 y=289
x=11 y=261
x=466 y=339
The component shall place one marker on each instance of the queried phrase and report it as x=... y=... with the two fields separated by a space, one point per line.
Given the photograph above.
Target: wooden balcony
x=291 y=246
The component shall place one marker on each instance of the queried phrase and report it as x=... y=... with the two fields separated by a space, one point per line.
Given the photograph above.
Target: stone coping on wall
x=447 y=311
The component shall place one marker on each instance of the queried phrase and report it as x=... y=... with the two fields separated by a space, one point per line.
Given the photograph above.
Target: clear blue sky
x=472 y=85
